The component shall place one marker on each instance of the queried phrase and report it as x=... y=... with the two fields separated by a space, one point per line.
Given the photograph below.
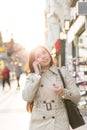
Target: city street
x=38 y=37
x=13 y=114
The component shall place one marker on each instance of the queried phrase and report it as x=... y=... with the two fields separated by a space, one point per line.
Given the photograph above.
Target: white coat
x=49 y=112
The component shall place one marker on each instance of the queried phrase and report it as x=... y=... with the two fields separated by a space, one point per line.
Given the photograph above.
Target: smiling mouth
x=45 y=60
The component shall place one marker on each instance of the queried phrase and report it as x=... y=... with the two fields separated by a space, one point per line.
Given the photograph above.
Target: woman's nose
x=42 y=56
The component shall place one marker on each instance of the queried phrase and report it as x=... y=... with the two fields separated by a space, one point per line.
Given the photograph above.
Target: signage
x=57 y=45
x=82 y=8
x=2 y=49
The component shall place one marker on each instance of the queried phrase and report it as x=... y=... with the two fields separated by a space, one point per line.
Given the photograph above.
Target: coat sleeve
x=31 y=87
x=71 y=91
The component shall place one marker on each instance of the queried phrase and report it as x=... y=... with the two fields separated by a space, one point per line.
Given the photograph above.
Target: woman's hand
x=37 y=67
x=58 y=90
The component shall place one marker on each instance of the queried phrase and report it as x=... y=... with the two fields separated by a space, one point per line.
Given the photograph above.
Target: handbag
x=75 y=117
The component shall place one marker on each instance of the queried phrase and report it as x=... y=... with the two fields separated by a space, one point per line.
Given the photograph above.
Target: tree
x=10 y=47
x=1 y=41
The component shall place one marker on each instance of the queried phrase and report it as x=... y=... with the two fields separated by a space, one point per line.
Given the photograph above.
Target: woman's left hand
x=58 y=90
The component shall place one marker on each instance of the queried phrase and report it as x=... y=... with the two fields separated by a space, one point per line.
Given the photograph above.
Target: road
x=13 y=114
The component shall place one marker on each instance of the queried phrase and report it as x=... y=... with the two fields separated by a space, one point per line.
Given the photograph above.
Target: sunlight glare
x=25 y=20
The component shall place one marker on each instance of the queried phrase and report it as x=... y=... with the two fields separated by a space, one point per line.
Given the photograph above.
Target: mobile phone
x=39 y=67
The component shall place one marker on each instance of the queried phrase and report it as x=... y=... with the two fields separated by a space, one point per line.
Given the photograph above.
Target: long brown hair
x=29 y=105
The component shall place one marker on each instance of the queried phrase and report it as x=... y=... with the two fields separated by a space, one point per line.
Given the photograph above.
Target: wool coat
x=49 y=112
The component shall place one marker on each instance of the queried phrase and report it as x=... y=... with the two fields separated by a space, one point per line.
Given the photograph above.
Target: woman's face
x=43 y=57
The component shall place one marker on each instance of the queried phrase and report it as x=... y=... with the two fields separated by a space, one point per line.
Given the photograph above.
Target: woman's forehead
x=39 y=50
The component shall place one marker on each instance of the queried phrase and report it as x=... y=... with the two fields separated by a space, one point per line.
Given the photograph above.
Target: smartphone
x=39 y=67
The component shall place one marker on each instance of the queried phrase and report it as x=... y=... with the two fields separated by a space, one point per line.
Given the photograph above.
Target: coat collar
x=53 y=69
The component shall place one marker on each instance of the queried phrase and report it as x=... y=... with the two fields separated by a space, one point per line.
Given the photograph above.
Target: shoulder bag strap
x=61 y=77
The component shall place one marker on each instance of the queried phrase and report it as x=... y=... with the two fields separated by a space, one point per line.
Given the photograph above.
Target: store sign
x=57 y=45
x=2 y=49
x=82 y=8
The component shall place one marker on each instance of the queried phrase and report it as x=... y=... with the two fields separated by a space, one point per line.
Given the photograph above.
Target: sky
x=24 y=19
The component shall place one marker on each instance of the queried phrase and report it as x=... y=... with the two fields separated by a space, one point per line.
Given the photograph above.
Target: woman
x=44 y=89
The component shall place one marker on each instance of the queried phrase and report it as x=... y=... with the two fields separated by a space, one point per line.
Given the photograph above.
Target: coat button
x=54 y=84
x=53 y=117
x=44 y=101
x=44 y=117
x=41 y=85
x=52 y=101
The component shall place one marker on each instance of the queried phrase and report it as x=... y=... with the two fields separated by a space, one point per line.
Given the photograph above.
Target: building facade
x=76 y=47
x=69 y=17
x=56 y=14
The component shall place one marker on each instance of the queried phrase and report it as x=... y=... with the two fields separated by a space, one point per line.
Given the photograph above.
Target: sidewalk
x=13 y=114
x=4 y=94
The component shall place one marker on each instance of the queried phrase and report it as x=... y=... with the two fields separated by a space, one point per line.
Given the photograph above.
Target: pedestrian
x=44 y=92
x=18 y=72
x=6 y=76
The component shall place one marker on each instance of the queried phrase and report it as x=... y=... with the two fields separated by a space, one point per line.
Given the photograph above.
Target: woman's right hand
x=37 y=67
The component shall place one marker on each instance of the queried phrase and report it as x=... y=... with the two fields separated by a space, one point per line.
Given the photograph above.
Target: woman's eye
x=38 y=57
x=44 y=52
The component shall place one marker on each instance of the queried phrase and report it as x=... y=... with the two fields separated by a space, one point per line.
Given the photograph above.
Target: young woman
x=45 y=91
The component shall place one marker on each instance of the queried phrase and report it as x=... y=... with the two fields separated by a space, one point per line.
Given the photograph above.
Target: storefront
x=72 y=41
x=76 y=56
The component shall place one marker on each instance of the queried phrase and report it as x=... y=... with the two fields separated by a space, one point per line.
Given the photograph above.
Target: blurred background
x=59 y=25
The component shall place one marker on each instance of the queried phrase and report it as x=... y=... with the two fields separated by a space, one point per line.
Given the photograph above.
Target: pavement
x=13 y=115
x=4 y=94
